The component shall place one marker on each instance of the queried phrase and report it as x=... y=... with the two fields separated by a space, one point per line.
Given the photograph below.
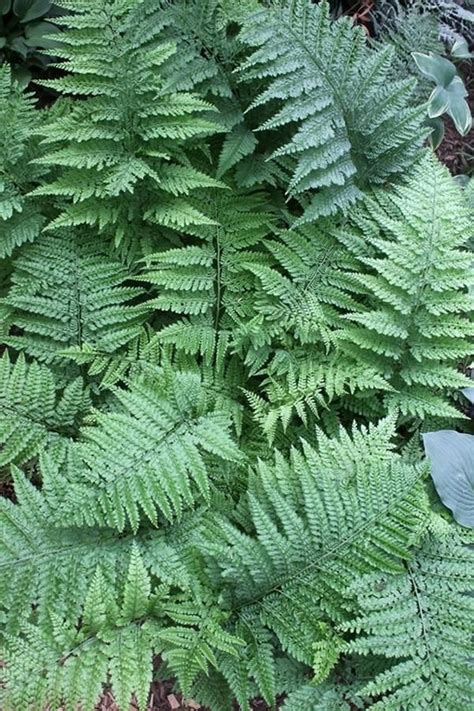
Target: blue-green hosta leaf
x=438 y=102
x=452 y=468
x=436 y=68
x=5 y=6
x=437 y=133
x=460 y=113
x=460 y=49
x=469 y=393
x=28 y=10
x=39 y=34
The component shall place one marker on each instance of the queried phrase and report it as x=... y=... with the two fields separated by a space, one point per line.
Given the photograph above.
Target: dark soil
x=163 y=698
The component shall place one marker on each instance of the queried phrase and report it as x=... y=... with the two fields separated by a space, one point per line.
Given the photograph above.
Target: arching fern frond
x=148 y=458
x=352 y=127
x=319 y=520
x=415 y=327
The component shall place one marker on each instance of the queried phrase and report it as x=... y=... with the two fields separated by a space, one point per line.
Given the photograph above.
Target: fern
x=68 y=293
x=429 y=614
x=20 y=218
x=147 y=458
x=217 y=365
x=35 y=414
x=126 y=138
x=300 y=556
x=415 y=327
x=353 y=128
x=209 y=284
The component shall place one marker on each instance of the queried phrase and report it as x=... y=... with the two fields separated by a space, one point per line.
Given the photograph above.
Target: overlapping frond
x=125 y=138
x=68 y=292
x=148 y=457
x=319 y=521
x=36 y=413
x=350 y=126
x=423 y=621
x=415 y=326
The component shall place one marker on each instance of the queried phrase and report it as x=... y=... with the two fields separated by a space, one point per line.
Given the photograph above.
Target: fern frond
x=35 y=413
x=67 y=292
x=352 y=127
x=416 y=327
x=20 y=219
x=209 y=285
x=122 y=144
x=422 y=619
x=318 y=524
x=147 y=458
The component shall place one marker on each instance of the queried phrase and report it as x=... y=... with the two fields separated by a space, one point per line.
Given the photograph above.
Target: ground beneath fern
x=163 y=699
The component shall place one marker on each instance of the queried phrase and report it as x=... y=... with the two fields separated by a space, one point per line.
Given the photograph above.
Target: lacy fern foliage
x=234 y=291
x=349 y=127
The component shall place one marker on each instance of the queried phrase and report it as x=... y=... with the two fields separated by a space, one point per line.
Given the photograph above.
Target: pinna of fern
x=209 y=285
x=20 y=216
x=67 y=292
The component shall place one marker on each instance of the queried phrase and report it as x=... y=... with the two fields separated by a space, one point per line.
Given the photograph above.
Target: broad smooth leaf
x=460 y=49
x=437 y=133
x=461 y=114
x=452 y=467
x=436 y=68
x=438 y=102
x=469 y=393
x=38 y=35
x=5 y=6
x=28 y=10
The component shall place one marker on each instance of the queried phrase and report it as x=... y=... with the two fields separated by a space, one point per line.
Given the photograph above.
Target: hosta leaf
x=452 y=468
x=28 y=10
x=436 y=68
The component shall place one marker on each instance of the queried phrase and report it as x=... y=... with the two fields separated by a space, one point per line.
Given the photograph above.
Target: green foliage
x=36 y=414
x=67 y=292
x=25 y=32
x=122 y=148
x=353 y=128
x=20 y=218
x=430 y=615
x=217 y=366
x=415 y=325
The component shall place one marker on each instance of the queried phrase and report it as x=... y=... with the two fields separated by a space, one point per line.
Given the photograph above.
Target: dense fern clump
x=235 y=288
